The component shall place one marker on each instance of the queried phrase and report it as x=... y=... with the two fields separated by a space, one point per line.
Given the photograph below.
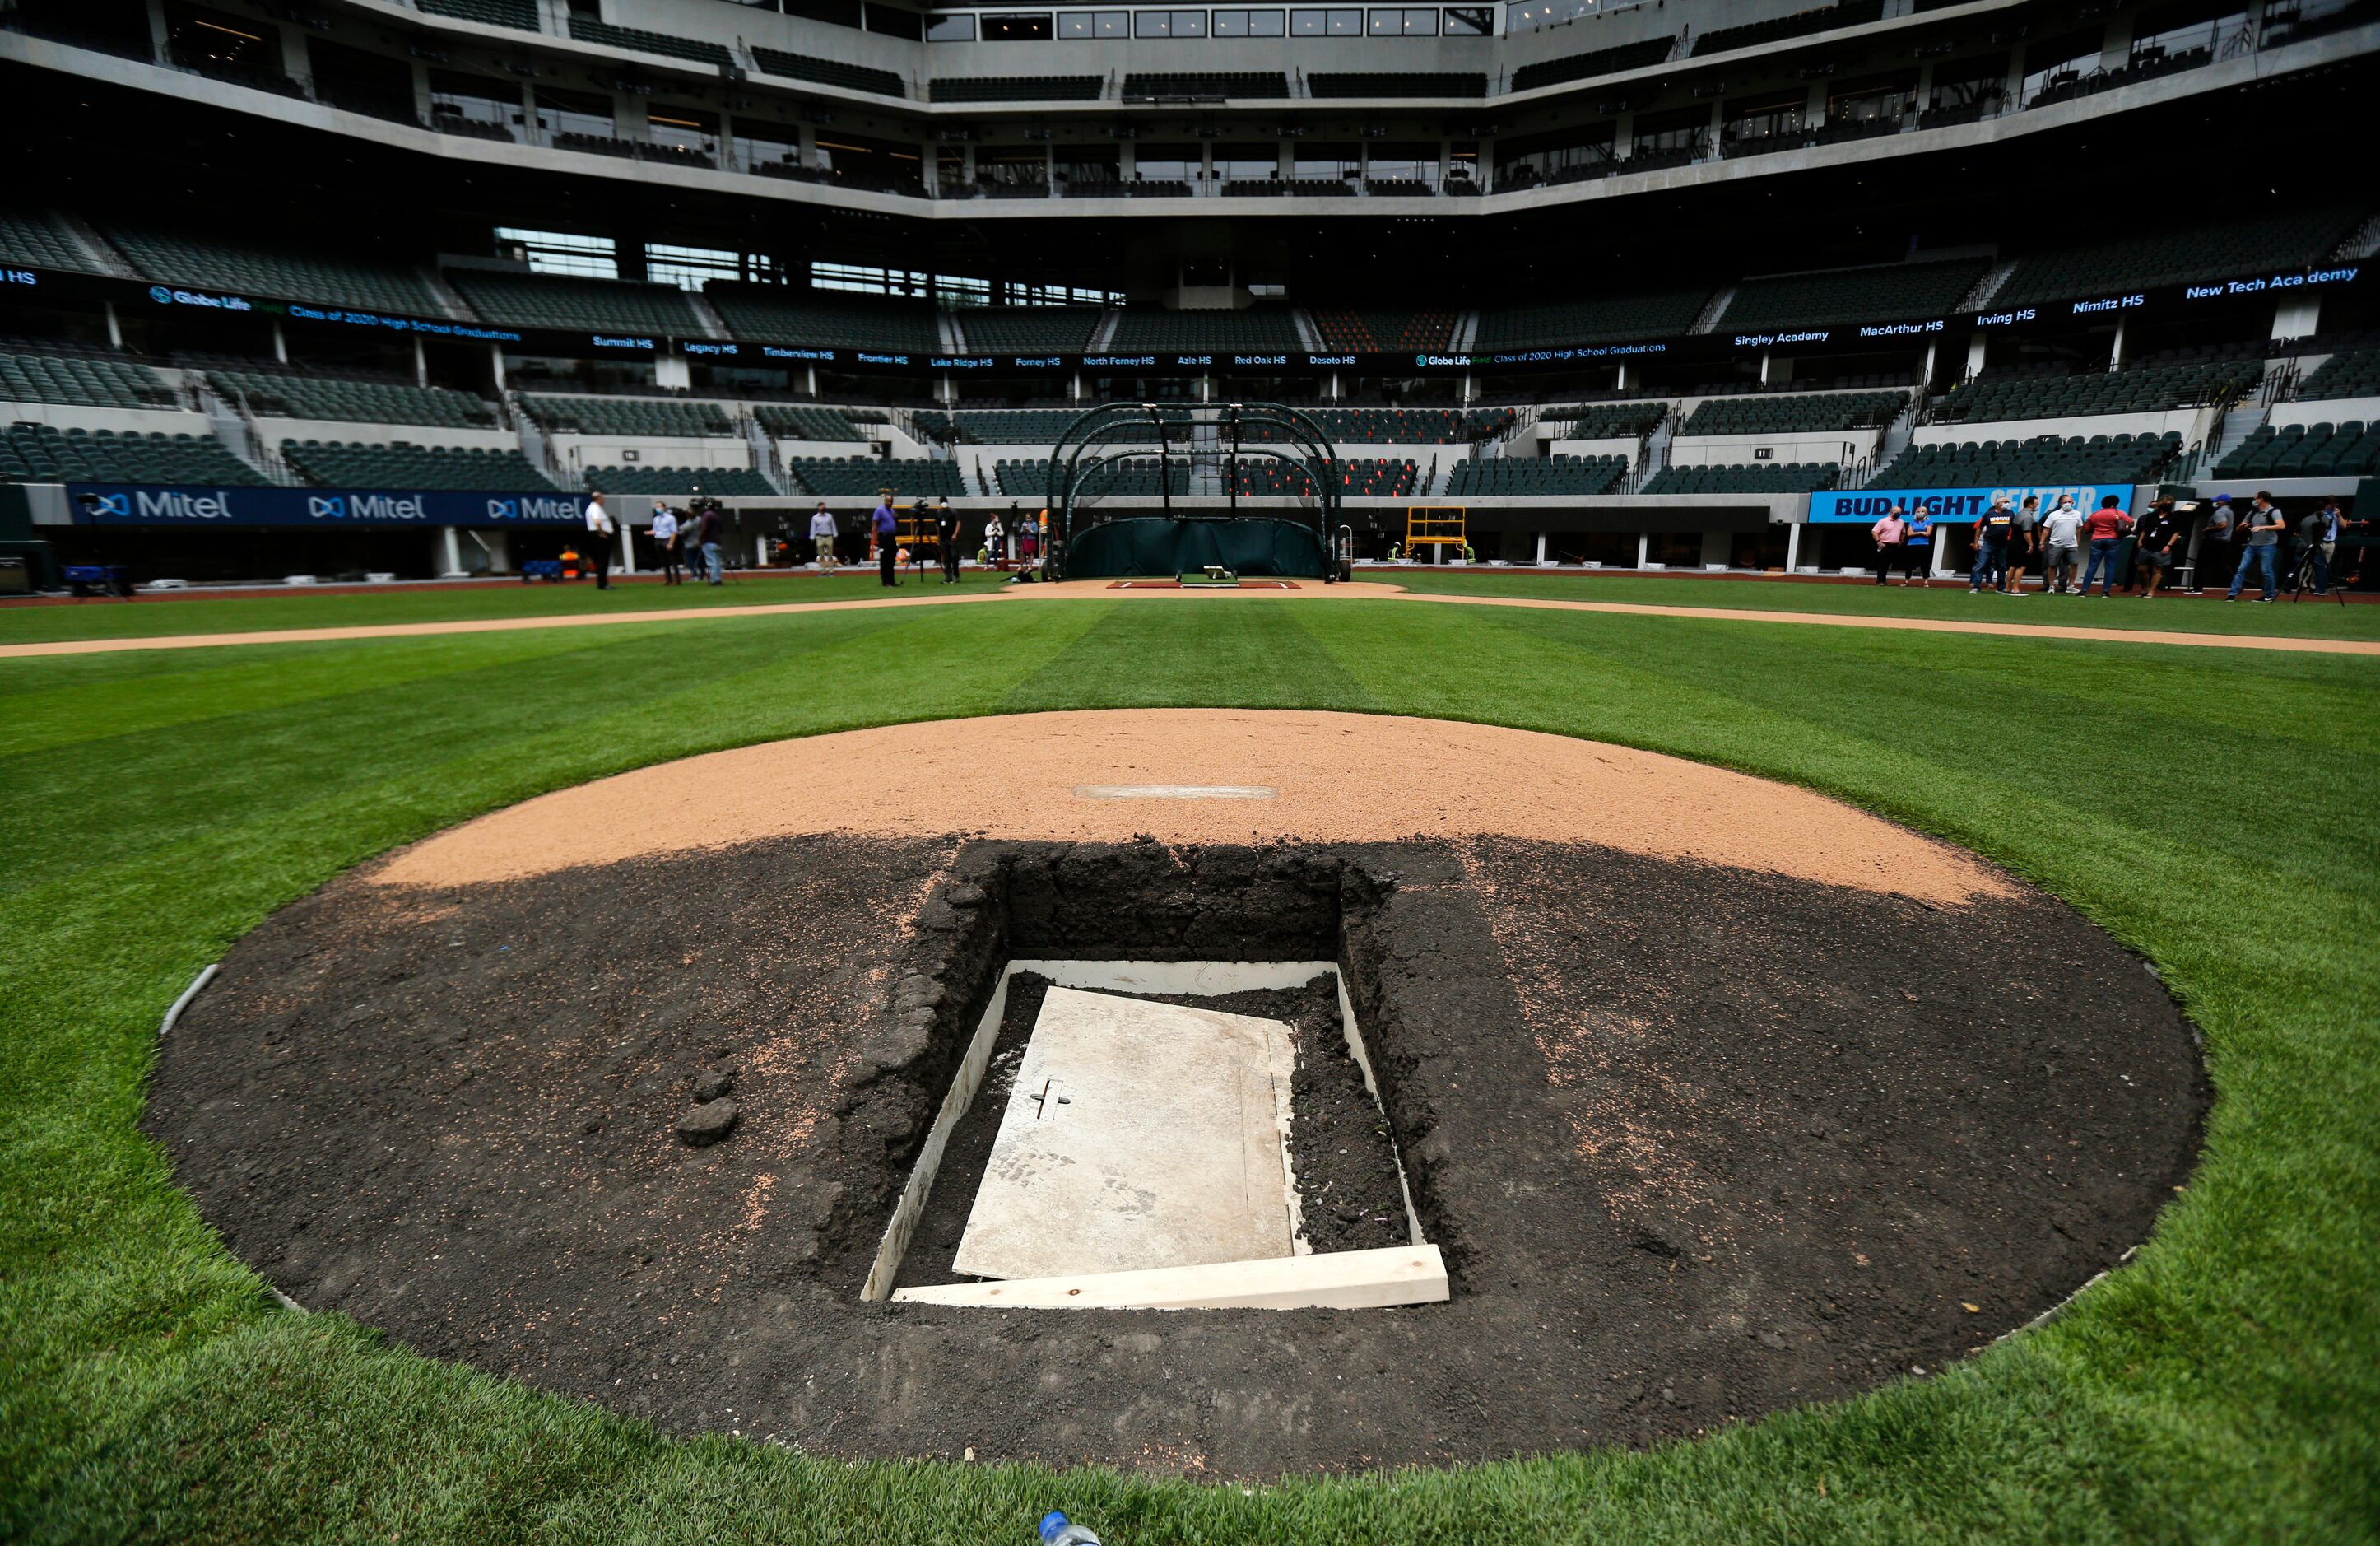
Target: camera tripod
x=2305 y=575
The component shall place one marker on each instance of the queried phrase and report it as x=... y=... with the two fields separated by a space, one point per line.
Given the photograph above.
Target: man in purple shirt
x=888 y=538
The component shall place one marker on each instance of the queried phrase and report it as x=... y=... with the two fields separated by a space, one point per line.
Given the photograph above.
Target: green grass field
x=2206 y=805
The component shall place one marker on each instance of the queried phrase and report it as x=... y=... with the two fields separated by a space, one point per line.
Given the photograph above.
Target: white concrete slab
x=1336 y=1279
x=1137 y=1136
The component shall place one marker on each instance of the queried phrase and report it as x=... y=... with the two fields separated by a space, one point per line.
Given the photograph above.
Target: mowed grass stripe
x=2222 y=1387
x=47 y=622
x=1174 y=654
x=1947 y=601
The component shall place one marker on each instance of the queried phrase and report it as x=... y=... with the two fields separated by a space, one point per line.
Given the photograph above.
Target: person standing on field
x=886 y=529
x=2265 y=525
x=823 y=535
x=2021 y=538
x=665 y=540
x=2062 y=547
x=1991 y=545
x=946 y=540
x=2105 y=526
x=2159 y=547
x=599 y=532
x=1919 y=547
x=1891 y=535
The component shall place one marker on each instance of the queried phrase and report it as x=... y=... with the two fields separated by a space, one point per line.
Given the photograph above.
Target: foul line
x=1634 y=609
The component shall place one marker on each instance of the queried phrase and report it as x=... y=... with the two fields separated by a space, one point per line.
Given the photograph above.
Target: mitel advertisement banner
x=1955 y=507
x=155 y=505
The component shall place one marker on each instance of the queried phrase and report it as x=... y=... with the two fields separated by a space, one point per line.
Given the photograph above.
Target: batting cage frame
x=1185 y=435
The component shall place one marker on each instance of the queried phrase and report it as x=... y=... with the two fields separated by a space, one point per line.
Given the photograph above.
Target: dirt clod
x=706 y=1124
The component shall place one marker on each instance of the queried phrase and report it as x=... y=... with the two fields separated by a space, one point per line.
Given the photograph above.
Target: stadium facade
x=364 y=286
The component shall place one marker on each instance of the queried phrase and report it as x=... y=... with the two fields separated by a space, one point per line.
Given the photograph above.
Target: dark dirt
x=1698 y=1143
x=1344 y=1161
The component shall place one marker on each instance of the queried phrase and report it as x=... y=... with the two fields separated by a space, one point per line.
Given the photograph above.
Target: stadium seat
x=1824 y=18
x=1598 y=61
x=1818 y=413
x=1991 y=397
x=274 y=395
x=521 y=14
x=43 y=454
x=846 y=476
x=2355 y=373
x=1536 y=476
x=1029 y=329
x=2124 y=458
x=400 y=464
x=641 y=481
x=1211 y=85
x=1857 y=294
x=828 y=72
x=34 y=238
x=1605 y=420
x=1018 y=87
x=1746 y=478
x=779 y=314
x=2210 y=249
x=788 y=422
x=270 y=269
x=586 y=29
x=1393 y=83
x=629 y=416
x=1258 y=329
x=91 y=380
x=1603 y=319
x=563 y=301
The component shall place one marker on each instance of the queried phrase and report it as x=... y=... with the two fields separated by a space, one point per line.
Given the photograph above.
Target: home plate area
x=1444 y=1093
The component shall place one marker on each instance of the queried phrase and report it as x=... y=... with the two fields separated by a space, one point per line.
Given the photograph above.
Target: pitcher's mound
x=1717 y=1096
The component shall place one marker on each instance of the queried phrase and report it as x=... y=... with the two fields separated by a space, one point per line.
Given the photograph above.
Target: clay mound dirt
x=1331 y=777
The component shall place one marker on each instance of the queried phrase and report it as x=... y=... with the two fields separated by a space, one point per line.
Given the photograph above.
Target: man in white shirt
x=2061 y=545
x=822 y=532
x=665 y=538
x=599 y=532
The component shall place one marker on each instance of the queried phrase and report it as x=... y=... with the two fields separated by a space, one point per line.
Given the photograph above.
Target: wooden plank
x=1335 y=1280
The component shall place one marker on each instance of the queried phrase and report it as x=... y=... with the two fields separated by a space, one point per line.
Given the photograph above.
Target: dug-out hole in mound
x=1348 y=1189
x=1694 y=1146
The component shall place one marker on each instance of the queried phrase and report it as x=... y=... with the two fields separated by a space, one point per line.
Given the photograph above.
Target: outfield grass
x=2307 y=618
x=257 y=612
x=2223 y=1387
x=149 y=617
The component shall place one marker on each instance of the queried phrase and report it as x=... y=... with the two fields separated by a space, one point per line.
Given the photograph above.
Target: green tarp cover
x=1255 y=546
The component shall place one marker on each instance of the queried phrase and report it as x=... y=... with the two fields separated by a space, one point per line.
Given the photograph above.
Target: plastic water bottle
x=1057 y=1531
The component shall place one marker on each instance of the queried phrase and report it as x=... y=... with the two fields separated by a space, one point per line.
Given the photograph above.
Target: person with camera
x=2318 y=542
x=2265 y=524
